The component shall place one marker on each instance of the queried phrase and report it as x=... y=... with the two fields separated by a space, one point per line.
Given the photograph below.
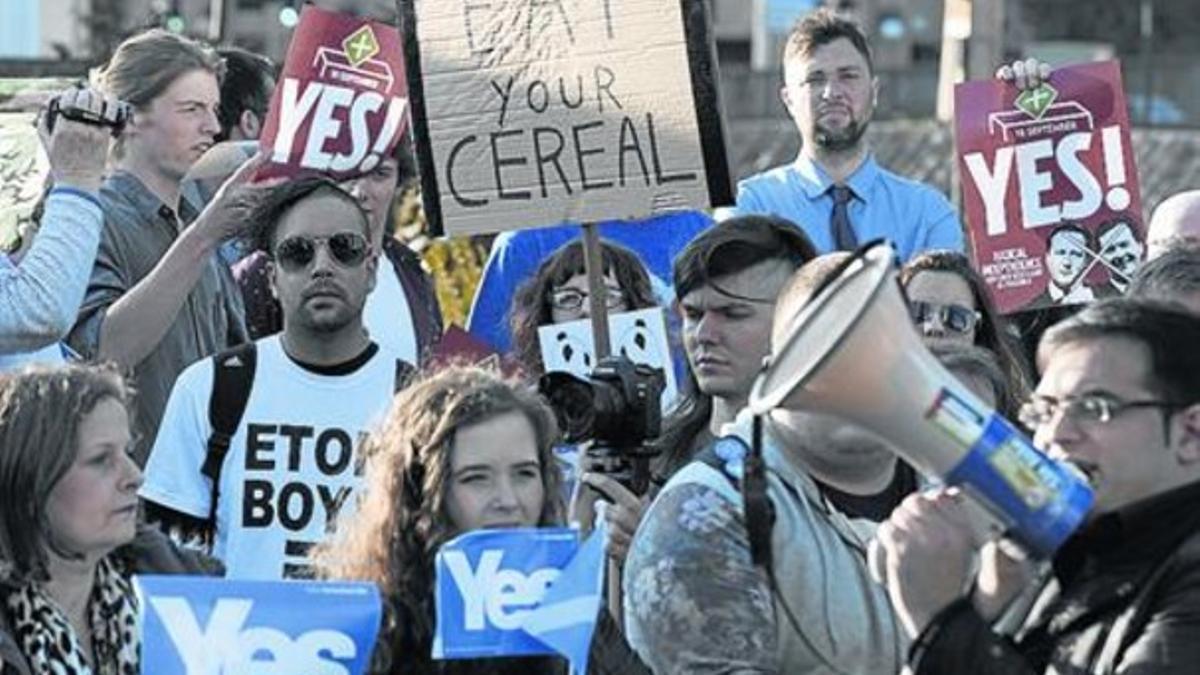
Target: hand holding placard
x=341 y=104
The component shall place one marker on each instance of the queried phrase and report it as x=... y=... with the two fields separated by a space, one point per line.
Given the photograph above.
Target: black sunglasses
x=295 y=253
x=955 y=318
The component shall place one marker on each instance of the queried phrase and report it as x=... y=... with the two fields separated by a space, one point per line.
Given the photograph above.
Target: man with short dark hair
x=245 y=94
x=403 y=312
x=288 y=463
x=727 y=280
x=834 y=190
x=1120 y=399
x=1173 y=276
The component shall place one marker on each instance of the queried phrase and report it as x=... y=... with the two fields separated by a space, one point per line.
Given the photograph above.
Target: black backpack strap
x=405 y=372
x=233 y=377
x=731 y=457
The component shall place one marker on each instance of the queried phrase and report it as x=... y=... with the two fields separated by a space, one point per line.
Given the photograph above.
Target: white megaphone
x=852 y=351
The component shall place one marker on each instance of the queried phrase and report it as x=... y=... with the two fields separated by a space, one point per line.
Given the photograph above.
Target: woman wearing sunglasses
x=558 y=293
x=948 y=302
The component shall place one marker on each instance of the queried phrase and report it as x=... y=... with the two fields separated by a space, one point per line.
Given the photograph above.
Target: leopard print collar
x=50 y=644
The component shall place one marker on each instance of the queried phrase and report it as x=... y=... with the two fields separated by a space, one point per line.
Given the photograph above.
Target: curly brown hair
x=403 y=519
x=531 y=303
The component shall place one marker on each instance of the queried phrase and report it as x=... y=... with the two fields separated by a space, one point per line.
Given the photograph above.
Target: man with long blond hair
x=158 y=298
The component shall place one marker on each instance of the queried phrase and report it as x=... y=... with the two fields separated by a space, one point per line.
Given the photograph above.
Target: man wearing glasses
x=1120 y=399
x=263 y=482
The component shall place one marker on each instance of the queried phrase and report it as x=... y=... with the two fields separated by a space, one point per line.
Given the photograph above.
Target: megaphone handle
x=756 y=504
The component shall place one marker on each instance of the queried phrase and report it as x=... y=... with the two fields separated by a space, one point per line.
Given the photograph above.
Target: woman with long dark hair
x=460 y=450
x=949 y=303
x=558 y=293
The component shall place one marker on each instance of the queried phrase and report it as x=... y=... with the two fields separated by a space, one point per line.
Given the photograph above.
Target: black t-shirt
x=879 y=506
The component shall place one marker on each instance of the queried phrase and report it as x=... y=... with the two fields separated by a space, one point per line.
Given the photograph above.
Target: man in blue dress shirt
x=834 y=190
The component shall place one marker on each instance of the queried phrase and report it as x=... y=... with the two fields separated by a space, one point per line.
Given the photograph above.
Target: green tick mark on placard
x=1034 y=102
x=360 y=46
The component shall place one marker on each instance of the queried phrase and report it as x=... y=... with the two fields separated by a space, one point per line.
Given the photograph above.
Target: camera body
x=618 y=408
x=114 y=120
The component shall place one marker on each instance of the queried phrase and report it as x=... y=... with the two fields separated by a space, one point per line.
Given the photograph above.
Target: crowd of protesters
x=176 y=332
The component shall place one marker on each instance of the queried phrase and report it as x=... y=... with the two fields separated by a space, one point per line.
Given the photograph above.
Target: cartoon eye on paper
x=637 y=344
x=572 y=355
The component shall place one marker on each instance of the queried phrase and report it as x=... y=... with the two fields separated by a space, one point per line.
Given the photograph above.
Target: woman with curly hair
x=558 y=293
x=462 y=449
x=949 y=303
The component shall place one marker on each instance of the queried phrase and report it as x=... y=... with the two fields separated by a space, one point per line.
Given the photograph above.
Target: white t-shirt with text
x=292 y=466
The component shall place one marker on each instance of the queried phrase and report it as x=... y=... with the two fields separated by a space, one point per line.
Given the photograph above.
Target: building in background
x=43 y=29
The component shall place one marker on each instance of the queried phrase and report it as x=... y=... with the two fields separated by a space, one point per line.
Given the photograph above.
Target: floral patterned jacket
x=695 y=602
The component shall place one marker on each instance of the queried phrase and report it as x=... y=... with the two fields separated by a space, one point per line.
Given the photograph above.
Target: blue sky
x=19 y=28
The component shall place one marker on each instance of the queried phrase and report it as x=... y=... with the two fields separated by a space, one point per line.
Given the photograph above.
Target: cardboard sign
x=341 y=102
x=1050 y=189
x=205 y=625
x=641 y=336
x=488 y=582
x=529 y=114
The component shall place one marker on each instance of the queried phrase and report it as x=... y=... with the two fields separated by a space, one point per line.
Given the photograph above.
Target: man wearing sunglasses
x=1120 y=399
x=402 y=312
x=264 y=483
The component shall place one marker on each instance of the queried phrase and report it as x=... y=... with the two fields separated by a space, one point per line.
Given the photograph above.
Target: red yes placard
x=341 y=102
x=1050 y=189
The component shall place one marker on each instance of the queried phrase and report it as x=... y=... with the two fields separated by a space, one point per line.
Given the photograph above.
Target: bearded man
x=834 y=189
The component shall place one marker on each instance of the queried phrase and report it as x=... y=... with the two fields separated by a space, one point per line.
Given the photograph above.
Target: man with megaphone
x=696 y=599
x=1119 y=398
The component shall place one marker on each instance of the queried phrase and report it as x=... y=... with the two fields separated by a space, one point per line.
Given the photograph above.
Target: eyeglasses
x=1086 y=409
x=955 y=318
x=295 y=253
x=572 y=299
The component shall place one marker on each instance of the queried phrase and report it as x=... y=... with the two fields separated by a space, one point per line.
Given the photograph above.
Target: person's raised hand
x=622 y=515
x=926 y=555
x=227 y=215
x=1025 y=74
x=77 y=151
x=1004 y=571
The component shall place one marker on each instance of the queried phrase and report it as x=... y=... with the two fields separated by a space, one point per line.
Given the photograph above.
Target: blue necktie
x=839 y=223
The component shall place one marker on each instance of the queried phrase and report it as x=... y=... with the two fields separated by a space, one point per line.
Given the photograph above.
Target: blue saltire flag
x=213 y=626
x=565 y=619
x=487 y=581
